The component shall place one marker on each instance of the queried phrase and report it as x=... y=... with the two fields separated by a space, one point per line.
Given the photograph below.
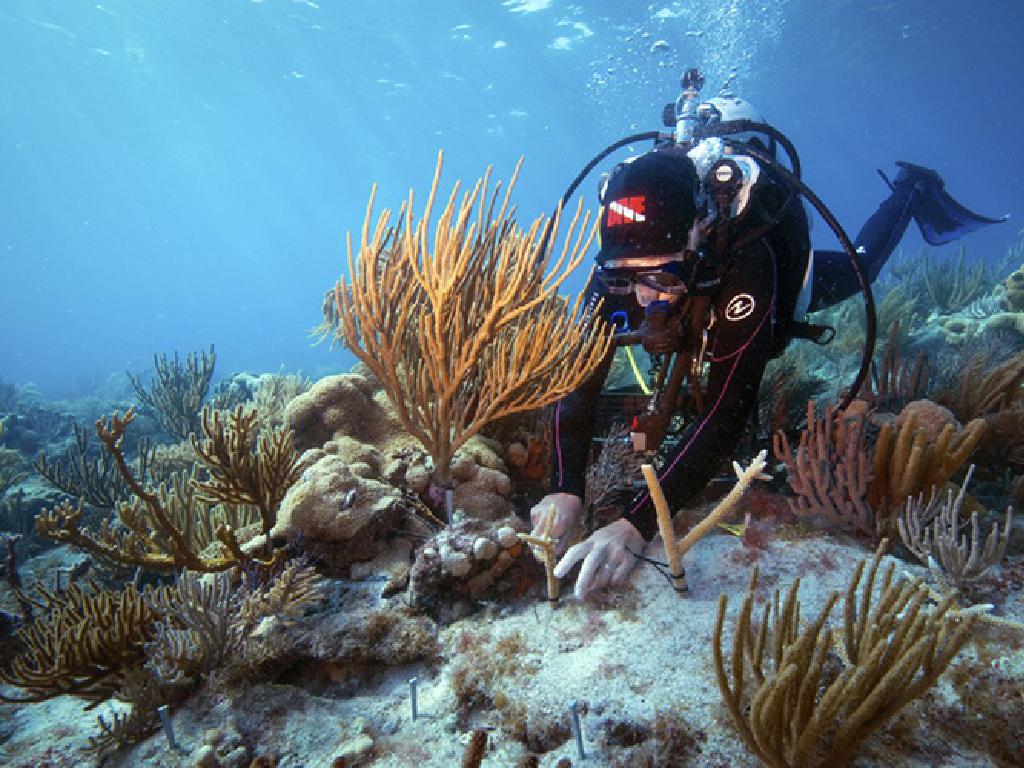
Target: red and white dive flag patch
x=627 y=210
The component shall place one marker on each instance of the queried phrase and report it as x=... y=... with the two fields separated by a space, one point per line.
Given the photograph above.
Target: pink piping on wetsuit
x=725 y=387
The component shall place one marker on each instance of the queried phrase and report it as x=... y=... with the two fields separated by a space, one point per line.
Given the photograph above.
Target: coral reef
x=830 y=470
x=895 y=382
x=246 y=466
x=81 y=643
x=468 y=562
x=952 y=287
x=611 y=478
x=933 y=532
x=802 y=710
x=172 y=527
x=787 y=386
x=1014 y=287
x=472 y=329
x=93 y=476
x=148 y=648
x=331 y=503
x=178 y=390
x=915 y=456
x=364 y=475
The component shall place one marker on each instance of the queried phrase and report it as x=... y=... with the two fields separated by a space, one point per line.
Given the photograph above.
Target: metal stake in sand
x=574 y=712
x=449 y=504
x=412 y=696
x=546 y=544
x=668 y=536
x=165 y=720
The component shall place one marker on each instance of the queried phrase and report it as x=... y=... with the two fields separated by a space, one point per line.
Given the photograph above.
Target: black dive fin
x=940 y=218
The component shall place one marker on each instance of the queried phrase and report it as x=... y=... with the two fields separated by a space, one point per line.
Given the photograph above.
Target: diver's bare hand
x=568 y=511
x=606 y=556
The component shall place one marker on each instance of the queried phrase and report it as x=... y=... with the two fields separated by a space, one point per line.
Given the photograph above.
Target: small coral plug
x=675 y=562
x=543 y=547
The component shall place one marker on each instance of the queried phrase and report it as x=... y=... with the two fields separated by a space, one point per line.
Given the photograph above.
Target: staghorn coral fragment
x=475 y=750
x=466 y=327
x=543 y=547
x=745 y=477
x=792 y=706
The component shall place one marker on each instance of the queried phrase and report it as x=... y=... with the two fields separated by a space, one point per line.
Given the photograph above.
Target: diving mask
x=649 y=285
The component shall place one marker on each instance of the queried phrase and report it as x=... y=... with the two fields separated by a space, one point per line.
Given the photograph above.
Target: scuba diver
x=705 y=254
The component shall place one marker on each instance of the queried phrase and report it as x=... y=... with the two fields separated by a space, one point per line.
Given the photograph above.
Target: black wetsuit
x=754 y=299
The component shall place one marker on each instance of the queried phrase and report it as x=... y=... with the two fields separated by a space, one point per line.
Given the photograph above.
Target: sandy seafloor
x=626 y=657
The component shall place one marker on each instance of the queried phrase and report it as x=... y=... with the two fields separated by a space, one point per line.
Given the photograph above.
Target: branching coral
x=145 y=648
x=611 y=478
x=246 y=466
x=786 y=698
x=273 y=395
x=12 y=469
x=952 y=287
x=934 y=533
x=894 y=383
x=143 y=694
x=786 y=388
x=90 y=477
x=984 y=390
x=177 y=394
x=208 y=625
x=166 y=529
x=82 y=643
x=910 y=461
x=466 y=326
x=898 y=304
x=830 y=470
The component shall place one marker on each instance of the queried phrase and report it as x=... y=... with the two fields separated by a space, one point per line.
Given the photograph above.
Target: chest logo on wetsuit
x=739 y=307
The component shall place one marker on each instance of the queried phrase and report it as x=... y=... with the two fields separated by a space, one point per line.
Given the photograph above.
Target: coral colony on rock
x=358 y=571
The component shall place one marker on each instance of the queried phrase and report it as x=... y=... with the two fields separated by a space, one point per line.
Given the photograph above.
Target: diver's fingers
x=589 y=573
x=537 y=515
x=622 y=571
x=576 y=553
x=604 y=576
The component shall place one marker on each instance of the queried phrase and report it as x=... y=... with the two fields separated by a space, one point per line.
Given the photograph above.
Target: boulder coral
x=361 y=465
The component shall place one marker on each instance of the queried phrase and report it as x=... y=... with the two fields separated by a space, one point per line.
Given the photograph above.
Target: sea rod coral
x=466 y=326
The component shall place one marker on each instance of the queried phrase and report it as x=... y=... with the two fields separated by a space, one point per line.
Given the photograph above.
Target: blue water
x=175 y=174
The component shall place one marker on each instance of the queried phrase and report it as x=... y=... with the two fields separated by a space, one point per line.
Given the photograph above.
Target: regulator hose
x=865 y=286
